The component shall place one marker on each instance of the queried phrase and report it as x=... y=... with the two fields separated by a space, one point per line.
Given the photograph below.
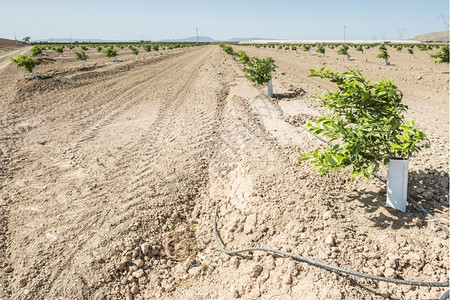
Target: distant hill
x=73 y=40
x=439 y=36
x=191 y=39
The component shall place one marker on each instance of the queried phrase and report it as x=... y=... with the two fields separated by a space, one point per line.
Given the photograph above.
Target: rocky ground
x=110 y=177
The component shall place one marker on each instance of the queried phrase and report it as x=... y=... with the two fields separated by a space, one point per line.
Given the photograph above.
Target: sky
x=221 y=20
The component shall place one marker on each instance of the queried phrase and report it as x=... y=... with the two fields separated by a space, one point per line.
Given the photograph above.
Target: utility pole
x=15 y=40
x=197 y=34
x=400 y=33
x=344 y=32
x=445 y=20
x=71 y=38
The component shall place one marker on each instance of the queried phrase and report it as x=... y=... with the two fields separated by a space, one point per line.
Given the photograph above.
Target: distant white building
x=330 y=42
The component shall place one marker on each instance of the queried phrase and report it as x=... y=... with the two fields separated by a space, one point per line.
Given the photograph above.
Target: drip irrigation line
x=321 y=264
x=331 y=267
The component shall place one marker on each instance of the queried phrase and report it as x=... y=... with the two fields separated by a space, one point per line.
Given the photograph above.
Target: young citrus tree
x=36 y=50
x=156 y=48
x=25 y=62
x=411 y=51
x=243 y=58
x=81 y=56
x=384 y=54
x=360 y=48
x=344 y=51
x=306 y=48
x=382 y=47
x=135 y=52
x=59 y=50
x=294 y=48
x=321 y=49
x=367 y=120
x=84 y=47
x=442 y=56
x=99 y=49
x=261 y=72
x=148 y=48
x=111 y=52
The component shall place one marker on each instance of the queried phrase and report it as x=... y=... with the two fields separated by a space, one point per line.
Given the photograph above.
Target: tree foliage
x=36 y=50
x=23 y=61
x=260 y=70
x=366 y=119
x=110 y=52
x=81 y=55
x=442 y=56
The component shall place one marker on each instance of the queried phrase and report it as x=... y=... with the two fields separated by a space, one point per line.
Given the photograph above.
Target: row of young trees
x=258 y=70
x=441 y=55
x=364 y=118
x=28 y=63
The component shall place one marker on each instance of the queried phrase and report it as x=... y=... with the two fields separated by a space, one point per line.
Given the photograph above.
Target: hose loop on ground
x=320 y=264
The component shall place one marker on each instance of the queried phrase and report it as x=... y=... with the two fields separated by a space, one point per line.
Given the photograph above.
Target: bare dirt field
x=109 y=178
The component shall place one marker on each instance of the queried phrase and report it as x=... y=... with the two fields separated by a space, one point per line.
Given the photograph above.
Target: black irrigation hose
x=445 y=296
x=323 y=265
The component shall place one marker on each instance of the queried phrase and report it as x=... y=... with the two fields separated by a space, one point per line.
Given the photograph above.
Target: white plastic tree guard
x=397 y=184
x=270 y=88
x=34 y=74
x=83 y=62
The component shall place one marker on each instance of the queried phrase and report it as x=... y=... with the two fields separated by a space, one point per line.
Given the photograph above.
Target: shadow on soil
x=294 y=94
x=420 y=183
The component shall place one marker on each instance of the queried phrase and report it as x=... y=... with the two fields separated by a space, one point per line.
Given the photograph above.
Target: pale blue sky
x=221 y=20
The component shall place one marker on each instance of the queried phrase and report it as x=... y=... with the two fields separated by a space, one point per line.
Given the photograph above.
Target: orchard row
x=109 y=50
x=441 y=54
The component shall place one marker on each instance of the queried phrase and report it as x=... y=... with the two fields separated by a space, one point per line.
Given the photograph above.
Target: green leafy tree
x=36 y=50
x=344 y=51
x=261 y=70
x=442 y=56
x=82 y=56
x=367 y=121
x=382 y=47
x=306 y=48
x=99 y=49
x=59 y=50
x=243 y=58
x=321 y=49
x=294 y=48
x=148 y=48
x=411 y=51
x=70 y=46
x=228 y=50
x=25 y=62
x=110 y=53
x=360 y=48
x=135 y=52
x=384 y=54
